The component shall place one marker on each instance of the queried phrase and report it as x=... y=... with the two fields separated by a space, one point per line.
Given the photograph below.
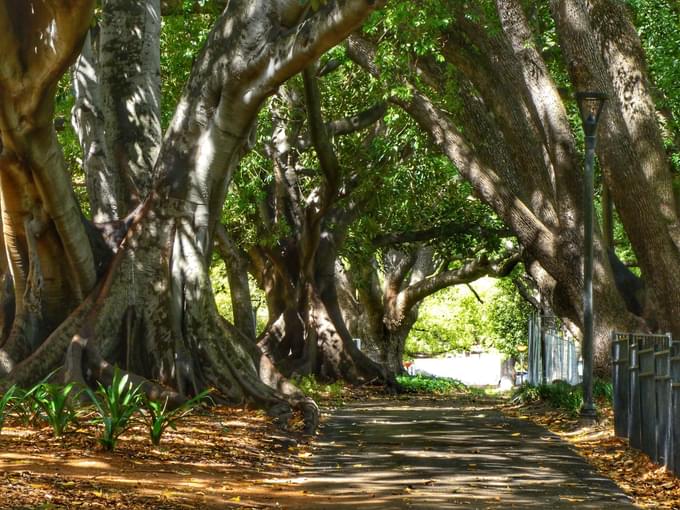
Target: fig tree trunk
x=152 y=311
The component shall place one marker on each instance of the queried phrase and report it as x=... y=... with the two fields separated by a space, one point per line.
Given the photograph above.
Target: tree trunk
x=603 y=52
x=154 y=310
x=236 y=264
x=49 y=254
x=532 y=182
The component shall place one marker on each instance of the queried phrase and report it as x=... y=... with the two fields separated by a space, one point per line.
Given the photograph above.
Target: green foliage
x=182 y=37
x=220 y=285
x=25 y=407
x=562 y=395
x=159 y=417
x=318 y=390
x=423 y=384
x=116 y=405
x=449 y=321
x=603 y=391
x=5 y=403
x=507 y=315
x=658 y=24
x=54 y=402
x=453 y=320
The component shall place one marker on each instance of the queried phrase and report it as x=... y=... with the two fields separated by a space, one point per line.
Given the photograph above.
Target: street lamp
x=590 y=105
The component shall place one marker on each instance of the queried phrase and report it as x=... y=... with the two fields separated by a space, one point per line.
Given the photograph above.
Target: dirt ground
x=210 y=461
x=236 y=458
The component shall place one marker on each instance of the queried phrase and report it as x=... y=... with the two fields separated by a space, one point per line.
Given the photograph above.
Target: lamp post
x=590 y=105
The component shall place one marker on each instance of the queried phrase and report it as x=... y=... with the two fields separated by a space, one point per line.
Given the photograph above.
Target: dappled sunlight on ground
x=207 y=463
x=374 y=453
x=647 y=483
x=425 y=453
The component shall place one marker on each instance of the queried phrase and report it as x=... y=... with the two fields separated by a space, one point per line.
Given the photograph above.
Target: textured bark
x=46 y=243
x=105 y=190
x=130 y=70
x=603 y=52
x=117 y=109
x=307 y=333
x=154 y=311
x=236 y=263
x=390 y=301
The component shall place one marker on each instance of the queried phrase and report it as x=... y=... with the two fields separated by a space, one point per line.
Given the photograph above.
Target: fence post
x=662 y=378
x=531 y=361
x=646 y=351
x=675 y=408
x=634 y=422
x=541 y=335
x=621 y=382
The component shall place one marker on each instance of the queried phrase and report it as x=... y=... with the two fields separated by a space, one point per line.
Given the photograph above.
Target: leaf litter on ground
x=210 y=461
x=648 y=484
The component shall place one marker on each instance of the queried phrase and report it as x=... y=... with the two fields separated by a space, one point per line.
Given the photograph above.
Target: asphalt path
x=422 y=453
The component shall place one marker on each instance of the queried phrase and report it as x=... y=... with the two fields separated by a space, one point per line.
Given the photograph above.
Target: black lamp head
x=590 y=106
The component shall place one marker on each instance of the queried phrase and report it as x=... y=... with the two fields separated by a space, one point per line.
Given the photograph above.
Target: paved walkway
x=440 y=455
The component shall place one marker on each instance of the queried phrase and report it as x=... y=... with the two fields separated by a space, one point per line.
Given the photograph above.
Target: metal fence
x=553 y=354
x=646 y=378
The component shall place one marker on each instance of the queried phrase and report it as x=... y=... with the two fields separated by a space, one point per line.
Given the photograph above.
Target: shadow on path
x=423 y=453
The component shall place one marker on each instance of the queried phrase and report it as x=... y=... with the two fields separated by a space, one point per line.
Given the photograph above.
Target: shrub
x=563 y=395
x=160 y=417
x=603 y=390
x=425 y=384
x=559 y=395
x=115 y=405
x=53 y=400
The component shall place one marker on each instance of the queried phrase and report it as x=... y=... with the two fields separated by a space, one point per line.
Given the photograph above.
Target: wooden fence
x=646 y=379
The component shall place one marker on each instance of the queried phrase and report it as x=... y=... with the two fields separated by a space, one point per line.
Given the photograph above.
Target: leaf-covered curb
x=648 y=484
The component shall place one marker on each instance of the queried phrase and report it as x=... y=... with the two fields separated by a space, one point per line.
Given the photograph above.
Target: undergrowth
x=319 y=390
x=424 y=384
x=115 y=407
x=562 y=395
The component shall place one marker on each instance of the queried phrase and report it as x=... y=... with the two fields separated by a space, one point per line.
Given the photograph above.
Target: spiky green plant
x=25 y=407
x=115 y=404
x=160 y=417
x=54 y=400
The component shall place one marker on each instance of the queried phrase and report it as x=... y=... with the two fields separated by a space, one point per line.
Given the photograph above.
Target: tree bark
x=604 y=53
x=49 y=254
x=157 y=284
x=236 y=264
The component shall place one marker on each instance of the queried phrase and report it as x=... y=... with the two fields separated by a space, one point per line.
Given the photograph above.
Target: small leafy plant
x=5 y=403
x=25 y=407
x=54 y=401
x=115 y=405
x=159 y=417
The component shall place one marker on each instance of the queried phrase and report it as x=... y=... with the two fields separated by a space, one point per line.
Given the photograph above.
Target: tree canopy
x=351 y=158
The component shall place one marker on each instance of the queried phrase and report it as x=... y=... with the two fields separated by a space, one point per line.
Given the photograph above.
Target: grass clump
x=54 y=403
x=424 y=384
x=5 y=403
